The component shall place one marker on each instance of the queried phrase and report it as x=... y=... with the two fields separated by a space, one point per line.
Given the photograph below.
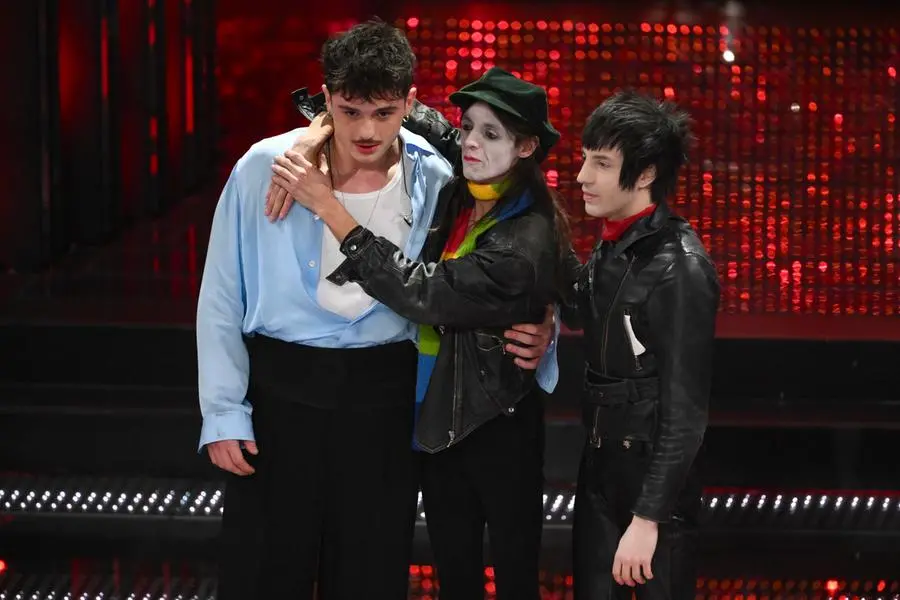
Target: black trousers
x=609 y=482
x=334 y=495
x=494 y=477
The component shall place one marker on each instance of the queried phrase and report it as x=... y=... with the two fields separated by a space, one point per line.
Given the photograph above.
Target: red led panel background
x=792 y=185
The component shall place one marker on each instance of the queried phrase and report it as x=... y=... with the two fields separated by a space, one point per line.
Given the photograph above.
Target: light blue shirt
x=262 y=277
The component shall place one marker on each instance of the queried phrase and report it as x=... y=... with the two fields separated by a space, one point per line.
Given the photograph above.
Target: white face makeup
x=489 y=149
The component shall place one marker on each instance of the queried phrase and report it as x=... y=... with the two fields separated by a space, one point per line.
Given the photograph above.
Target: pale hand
x=227 y=455
x=306 y=183
x=533 y=340
x=278 y=202
x=631 y=565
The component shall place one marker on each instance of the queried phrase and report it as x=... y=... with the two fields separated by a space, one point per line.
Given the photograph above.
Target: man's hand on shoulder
x=309 y=145
x=228 y=456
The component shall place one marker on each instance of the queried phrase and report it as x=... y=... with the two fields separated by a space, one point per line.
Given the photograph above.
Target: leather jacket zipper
x=456 y=403
x=609 y=314
x=596 y=440
x=590 y=284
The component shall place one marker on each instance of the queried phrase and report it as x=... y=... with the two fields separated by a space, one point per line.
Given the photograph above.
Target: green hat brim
x=548 y=135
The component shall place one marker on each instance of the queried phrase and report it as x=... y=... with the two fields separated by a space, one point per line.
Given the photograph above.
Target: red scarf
x=613 y=230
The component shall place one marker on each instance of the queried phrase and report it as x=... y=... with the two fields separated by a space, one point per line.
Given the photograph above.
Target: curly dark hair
x=647 y=132
x=371 y=60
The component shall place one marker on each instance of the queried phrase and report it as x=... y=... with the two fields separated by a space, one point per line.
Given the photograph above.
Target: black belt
x=621 y=411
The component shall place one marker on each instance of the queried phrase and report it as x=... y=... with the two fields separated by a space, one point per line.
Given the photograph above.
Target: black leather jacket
x=647 y=304
x=509 y=278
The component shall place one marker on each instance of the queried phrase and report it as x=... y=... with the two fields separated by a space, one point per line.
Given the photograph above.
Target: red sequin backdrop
x=792 y=184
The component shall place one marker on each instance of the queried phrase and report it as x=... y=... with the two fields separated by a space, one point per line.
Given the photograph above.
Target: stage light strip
x=837 y=511
x=22 y=586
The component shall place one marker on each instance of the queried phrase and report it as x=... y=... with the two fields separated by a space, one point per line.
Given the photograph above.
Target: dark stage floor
x=87 y=579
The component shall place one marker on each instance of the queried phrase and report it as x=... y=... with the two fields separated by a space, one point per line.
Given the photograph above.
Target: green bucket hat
x=503 y=91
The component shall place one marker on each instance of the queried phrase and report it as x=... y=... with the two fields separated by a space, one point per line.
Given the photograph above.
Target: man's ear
x=646 y=179
x=410 y=99
x=327 y=98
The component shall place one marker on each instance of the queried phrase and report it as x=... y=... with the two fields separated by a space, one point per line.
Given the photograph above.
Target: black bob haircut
x=372 y=60
x=647 y=132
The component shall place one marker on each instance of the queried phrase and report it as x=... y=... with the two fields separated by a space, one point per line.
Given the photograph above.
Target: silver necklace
x=343 y=199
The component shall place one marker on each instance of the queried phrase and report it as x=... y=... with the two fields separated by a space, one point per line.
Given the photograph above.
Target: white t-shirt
x=385 y=213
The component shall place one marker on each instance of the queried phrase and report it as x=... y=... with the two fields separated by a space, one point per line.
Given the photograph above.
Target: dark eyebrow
x=389 y=108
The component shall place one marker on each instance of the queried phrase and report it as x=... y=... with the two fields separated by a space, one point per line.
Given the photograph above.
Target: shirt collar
x=415 y=144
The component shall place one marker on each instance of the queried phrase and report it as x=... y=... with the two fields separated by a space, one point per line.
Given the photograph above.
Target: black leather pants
x=609 y=481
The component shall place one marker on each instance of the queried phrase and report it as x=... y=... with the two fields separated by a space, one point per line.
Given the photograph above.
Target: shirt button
x=352 y=247
x=316 y=217
x=311 y=264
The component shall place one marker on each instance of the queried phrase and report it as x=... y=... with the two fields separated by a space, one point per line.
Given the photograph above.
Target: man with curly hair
x=308 y=388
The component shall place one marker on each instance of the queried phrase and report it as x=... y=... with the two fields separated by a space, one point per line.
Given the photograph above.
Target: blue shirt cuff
x=548 y=369
x=231 y=425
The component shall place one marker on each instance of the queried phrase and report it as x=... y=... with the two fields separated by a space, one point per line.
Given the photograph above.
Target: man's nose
x=367 y=129
x=582 y=175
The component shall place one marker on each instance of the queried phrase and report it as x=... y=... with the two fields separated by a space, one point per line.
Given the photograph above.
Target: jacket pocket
x=488 y=342
x=618 y=411
x=502 y=381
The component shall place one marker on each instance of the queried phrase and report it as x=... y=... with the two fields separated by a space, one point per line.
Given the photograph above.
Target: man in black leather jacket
x=647 y=302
